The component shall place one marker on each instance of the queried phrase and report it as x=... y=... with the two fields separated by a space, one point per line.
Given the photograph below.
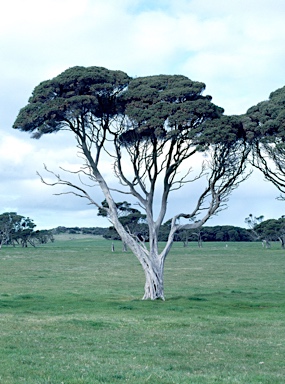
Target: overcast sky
x=236 y=47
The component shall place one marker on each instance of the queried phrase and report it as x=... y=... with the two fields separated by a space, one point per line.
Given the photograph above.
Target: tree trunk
x=154 y=271
x=265 y=243
x=153 y=288
x=281 y=239
x=150 y=260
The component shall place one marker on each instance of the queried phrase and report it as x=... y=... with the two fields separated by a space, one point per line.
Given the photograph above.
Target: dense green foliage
x=266 y=120
x=69 y=314
x=152 y=101
x=147 y=101
x=76 y=92
x=265 y=129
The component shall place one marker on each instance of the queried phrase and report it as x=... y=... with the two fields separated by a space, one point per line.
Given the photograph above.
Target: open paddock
x=70 y=312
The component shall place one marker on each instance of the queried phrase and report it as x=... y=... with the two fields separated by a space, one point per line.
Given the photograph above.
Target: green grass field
x=70 y=312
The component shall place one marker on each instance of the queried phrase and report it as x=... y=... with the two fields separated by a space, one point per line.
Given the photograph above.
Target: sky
x=235 y=47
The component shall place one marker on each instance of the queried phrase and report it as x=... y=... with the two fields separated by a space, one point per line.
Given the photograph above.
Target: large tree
x=155 y=130
x=264 y=124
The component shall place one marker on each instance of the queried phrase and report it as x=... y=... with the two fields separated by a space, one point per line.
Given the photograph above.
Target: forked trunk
x=154 y=288
x=151 y=261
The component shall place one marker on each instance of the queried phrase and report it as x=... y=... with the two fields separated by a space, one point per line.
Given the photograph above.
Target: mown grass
x=70 y=312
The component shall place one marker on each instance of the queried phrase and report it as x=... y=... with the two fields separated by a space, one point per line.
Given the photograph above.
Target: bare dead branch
x=59 y=181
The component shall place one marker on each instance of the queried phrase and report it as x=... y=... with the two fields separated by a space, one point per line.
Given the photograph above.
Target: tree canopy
x=78 y=92
x=265 y=128
x=153 y=129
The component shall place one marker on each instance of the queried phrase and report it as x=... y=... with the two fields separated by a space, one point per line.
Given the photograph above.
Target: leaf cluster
x=78 y=91
x=164 y=107
x=266 y=120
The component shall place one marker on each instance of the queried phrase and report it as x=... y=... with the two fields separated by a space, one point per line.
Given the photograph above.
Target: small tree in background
x=268 y=230
x=18 y=229
x=253 y=223
x=132 y=220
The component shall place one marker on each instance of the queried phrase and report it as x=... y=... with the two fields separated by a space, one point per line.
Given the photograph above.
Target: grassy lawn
x=70 y=312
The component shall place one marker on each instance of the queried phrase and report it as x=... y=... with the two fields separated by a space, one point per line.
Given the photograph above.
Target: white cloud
x=13 y=150
x=33 y=18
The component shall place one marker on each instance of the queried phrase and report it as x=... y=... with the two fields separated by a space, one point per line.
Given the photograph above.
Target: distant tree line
x=16 y=229
x=216 y=233
x=96 y=231
x=135 y=222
